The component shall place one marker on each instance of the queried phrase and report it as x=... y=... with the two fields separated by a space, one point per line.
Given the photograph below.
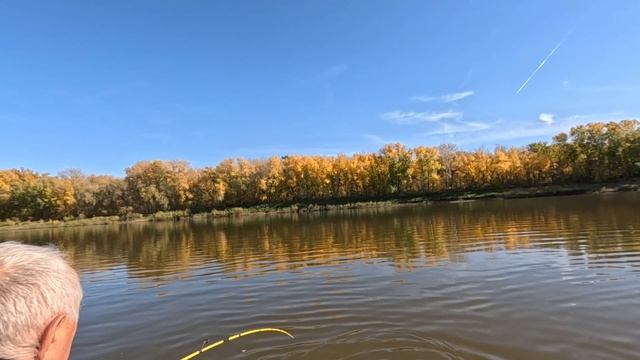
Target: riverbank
x=337 y=205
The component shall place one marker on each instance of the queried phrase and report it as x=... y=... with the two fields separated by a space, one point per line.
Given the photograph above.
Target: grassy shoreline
x=337 y=205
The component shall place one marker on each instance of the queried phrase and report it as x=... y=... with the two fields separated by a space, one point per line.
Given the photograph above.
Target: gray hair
x=36 y=285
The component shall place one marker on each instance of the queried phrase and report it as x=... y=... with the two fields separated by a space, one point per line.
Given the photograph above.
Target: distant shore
x=337 y=205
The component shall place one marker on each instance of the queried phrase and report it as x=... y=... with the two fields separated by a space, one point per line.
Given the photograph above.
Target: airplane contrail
x=540 y=66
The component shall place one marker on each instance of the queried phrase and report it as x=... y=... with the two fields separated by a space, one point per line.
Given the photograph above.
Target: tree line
x=593 y=152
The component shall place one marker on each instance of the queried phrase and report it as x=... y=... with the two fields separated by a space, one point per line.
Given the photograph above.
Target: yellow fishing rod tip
x=234 y=337
x=249 y=332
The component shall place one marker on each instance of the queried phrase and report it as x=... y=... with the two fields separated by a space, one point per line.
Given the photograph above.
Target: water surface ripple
x=501 y=279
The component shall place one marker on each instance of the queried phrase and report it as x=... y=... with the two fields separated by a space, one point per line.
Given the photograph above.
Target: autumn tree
x=590 y=152
x=158 y=185
x=447 y=159
x=425 y=169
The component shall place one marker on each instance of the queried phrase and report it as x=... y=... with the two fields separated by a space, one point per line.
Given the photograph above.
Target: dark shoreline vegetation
x=590 y=158
x=454 y=197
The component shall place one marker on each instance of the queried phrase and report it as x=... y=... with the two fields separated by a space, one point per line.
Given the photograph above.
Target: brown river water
x=545 y=278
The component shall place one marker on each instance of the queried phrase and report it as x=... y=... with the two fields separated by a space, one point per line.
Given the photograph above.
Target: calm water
x=517 y=279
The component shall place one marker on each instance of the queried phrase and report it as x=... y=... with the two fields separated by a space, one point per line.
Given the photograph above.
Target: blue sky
x=99 y=85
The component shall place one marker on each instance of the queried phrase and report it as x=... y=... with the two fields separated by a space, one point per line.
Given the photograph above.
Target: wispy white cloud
x=459 y=127
x=412 y=117
x=508 y=132
x=546 y=118
x=446 y=98
x=519 y=130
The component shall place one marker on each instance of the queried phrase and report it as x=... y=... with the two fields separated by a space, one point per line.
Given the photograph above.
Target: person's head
x=39 y=302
